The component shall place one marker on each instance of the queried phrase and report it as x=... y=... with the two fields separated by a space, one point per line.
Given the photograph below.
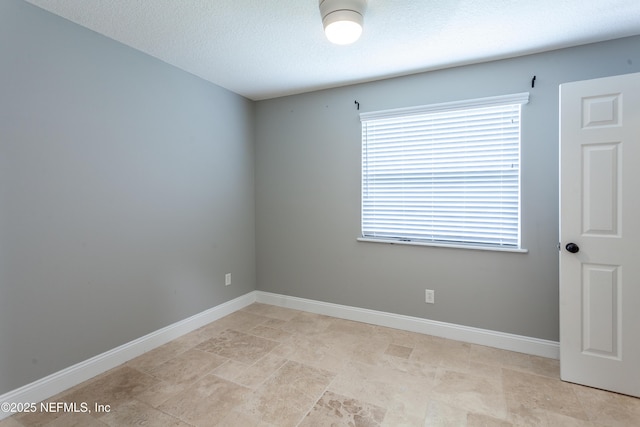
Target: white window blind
x=445 y=174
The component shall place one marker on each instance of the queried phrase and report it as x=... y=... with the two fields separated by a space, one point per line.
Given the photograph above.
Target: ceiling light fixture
x=342 y=19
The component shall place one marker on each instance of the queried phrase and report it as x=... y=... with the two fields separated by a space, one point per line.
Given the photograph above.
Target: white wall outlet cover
x=429 y=296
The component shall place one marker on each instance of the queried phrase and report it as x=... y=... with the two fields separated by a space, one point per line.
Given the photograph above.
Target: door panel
x=600 y=212
x=601 y=188
x=601 y=312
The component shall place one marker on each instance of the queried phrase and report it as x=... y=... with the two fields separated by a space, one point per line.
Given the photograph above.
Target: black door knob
x=573 y=248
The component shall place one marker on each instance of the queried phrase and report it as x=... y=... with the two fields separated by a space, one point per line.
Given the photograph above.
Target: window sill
x=442 y=245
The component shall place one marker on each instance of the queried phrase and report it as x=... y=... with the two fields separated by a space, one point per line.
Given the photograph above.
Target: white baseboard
x=62 y=380
x=505 y=341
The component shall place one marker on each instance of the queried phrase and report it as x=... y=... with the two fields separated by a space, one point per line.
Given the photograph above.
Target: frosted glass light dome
x=341 y=30
x=342 y=20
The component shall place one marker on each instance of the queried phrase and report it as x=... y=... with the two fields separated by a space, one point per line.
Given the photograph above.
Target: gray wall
x=126 y=194
x=308 y=198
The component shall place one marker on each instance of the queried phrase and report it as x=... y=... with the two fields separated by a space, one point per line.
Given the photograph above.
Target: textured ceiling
x=268 y=48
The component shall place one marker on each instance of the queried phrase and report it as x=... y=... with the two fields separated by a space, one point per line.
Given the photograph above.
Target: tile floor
x=270 y=366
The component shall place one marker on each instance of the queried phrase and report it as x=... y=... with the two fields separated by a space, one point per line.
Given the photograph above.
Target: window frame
x=503 y=100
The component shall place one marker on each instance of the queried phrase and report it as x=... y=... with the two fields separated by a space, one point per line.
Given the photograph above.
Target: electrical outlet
x=429 y=296
x=227 y=279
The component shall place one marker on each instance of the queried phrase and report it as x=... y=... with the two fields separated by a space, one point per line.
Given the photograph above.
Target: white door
x=600 y=219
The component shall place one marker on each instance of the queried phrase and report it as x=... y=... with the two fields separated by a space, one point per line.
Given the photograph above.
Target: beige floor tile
x=516 y=361
x=314 y=352
x=558 y=420
x=524 y=416
x=134 y=413
x=369 y=352
x=157 y=356
x=40 y=417
x=188 y=366
x=414 y=368
x=237 y=418
x=440 y=414
x=110 y=388
x=360 y=336
x=545 y=366
x=453 y=355
x=274 y=334
x=34 y=419
x=273 y=323
x=287 y=395
x=471 y=393
x=354 y=330
x=398 y=351
x=400 y=337
x=76 y=420
x=354 y=371
x=258 y=373
x=206 y=402
x=119 y=386
x=610 y=409
x=231 y=369
x=498 y=357
x=410 y=400
x=160 y=392
x=271 y=311
x=478 y=420
x=308 y=323
x=241 y=320
x=238 y=346
x=336 y=410
x=524 y=390
x=386 y=387
x=401 y=419
x=192 y=339
x=211 y=330
x=343 y=342
x=10 y=422
x=482 y=370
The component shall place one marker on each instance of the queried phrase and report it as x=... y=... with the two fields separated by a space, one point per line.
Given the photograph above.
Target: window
x=445 y=174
